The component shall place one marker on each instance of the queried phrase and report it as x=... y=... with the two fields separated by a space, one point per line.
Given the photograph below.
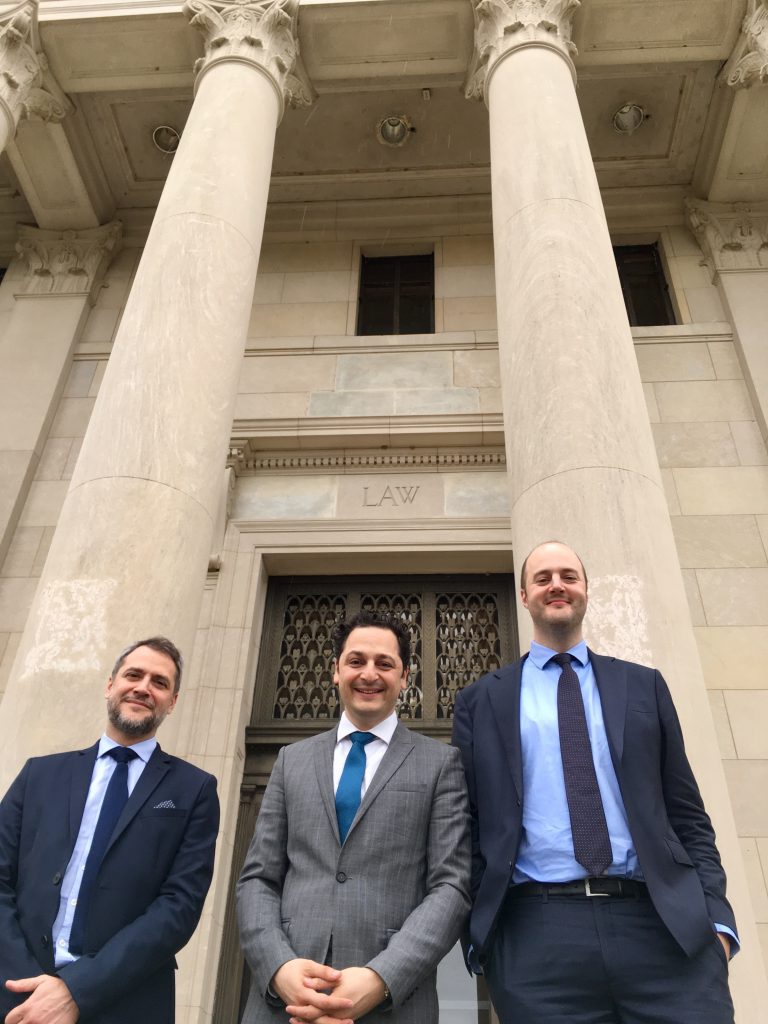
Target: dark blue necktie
x=115 y=800
x=351 y=782
x=591 y=842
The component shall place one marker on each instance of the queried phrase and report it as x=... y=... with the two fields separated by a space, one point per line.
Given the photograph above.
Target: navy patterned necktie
x=115 y=800
x=351 y=782
x=591 y=842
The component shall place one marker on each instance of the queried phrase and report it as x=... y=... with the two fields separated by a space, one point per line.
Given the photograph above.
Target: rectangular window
x=644 y=286
x=397 y=295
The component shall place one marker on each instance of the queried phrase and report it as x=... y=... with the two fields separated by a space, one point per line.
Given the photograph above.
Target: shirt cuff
x=723 y=929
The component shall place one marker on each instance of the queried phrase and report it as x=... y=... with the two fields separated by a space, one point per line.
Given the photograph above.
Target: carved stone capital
x=27 y=87
x=505 y=25
x=749 y=61
x=260 y=32
x=62 y=262
x=734 y=236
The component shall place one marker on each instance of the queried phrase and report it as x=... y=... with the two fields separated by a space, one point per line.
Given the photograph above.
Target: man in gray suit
x=356 y=883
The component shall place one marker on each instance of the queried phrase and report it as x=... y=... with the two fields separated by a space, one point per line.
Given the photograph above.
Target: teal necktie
x=351 y=782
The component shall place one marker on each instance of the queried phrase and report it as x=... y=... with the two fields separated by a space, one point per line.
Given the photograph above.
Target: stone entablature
x=734 y=236
x=502 y=26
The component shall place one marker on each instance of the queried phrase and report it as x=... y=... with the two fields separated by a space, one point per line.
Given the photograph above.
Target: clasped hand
x=50 y=1001
x=319 y=994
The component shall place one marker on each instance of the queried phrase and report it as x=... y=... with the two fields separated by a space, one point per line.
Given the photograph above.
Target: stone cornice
x=245 y=459
x=749 y=61
x=27 y=87
x=505 y=25
x=260 y=32
x=63 y=262
x=734 y=236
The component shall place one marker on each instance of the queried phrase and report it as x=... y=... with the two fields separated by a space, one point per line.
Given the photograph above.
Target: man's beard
x=134 y=727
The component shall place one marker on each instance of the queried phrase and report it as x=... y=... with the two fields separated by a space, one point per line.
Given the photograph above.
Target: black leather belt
x=624 y=888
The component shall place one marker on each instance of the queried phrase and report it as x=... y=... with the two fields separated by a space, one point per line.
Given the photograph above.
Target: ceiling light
x=394 y=130
x=166 y=139
x=628 y=118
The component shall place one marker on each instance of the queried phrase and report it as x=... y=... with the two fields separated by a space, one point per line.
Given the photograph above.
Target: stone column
x=26 y=86
x=734 y=238
x=54 y=279
x=581 y=461
x=131 y=549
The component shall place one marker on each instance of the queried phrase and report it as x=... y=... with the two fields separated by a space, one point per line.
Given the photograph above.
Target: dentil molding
x=749 y=62
x=261 y=32
x=62 y=262
x=505 y=25
x=244 y=459
x=27 y=87
x=734 y=236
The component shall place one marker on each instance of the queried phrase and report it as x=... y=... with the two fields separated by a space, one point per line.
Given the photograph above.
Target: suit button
x=57 y=878
x=340 y=876
x=45 y=940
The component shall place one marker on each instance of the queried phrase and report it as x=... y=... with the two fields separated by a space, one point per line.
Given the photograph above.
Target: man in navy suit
x=93 y=910
x=599 y=897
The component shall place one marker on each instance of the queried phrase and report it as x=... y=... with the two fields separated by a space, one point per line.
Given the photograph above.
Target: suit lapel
x=504 y=696
x=611 y=679
x=324 y=750
x=154 y=771
x=81 y=768
x=398 y=749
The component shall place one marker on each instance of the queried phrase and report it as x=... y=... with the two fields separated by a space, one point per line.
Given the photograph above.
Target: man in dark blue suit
x=106 y=855
x=599 y=897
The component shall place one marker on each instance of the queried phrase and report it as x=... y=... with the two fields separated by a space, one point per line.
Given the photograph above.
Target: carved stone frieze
x=244 y=459
x=262 y=32
x=734 y=236
x=62 y=262
x=505 y=25
x=749 y=62
x=27 y=87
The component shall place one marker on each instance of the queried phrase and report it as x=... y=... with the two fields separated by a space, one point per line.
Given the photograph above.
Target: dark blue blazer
x=149 y=891
x=671 y=830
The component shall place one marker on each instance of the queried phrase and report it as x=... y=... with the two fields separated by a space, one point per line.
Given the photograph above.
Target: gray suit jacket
x=394 y=897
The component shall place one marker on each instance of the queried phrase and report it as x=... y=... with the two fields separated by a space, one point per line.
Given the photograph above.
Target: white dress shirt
x=374 y=750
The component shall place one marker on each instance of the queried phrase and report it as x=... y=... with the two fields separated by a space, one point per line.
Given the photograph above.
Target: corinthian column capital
x=62 y=262
x=27 y=88
x=260 y=32
x=734 y=236
x=505 y=25
x=749 y=61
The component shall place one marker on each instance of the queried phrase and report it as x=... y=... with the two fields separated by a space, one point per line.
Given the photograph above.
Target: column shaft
x=131 y=548
x=582 y=464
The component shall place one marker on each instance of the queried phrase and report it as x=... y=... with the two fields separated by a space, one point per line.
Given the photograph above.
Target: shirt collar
x=384 y=730
x=540 y=654
x=145 y=748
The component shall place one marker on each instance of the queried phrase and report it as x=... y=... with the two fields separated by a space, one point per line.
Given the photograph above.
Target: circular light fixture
x=628 y=118
x=394 y=130
x=166 y=139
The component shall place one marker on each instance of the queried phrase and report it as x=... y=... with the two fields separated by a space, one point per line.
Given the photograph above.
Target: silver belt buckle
x=588 y=890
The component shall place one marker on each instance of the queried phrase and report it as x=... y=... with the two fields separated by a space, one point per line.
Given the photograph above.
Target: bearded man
x=106 y=856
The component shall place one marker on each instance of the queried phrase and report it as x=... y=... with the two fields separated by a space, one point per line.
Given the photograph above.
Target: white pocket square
x=166 y=805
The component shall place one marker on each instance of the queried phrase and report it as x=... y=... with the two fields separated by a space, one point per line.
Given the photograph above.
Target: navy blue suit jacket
x=149 y=891
x=671 y=830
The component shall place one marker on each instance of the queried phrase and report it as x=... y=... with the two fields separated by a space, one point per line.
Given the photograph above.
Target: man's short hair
x=156 y=643
x=342 y=630
x=541 y=545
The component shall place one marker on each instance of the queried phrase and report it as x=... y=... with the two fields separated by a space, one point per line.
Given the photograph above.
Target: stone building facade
x=197 y=421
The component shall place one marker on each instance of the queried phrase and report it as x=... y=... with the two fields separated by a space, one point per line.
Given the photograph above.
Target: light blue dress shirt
x=546 y=846
x=70 y=886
